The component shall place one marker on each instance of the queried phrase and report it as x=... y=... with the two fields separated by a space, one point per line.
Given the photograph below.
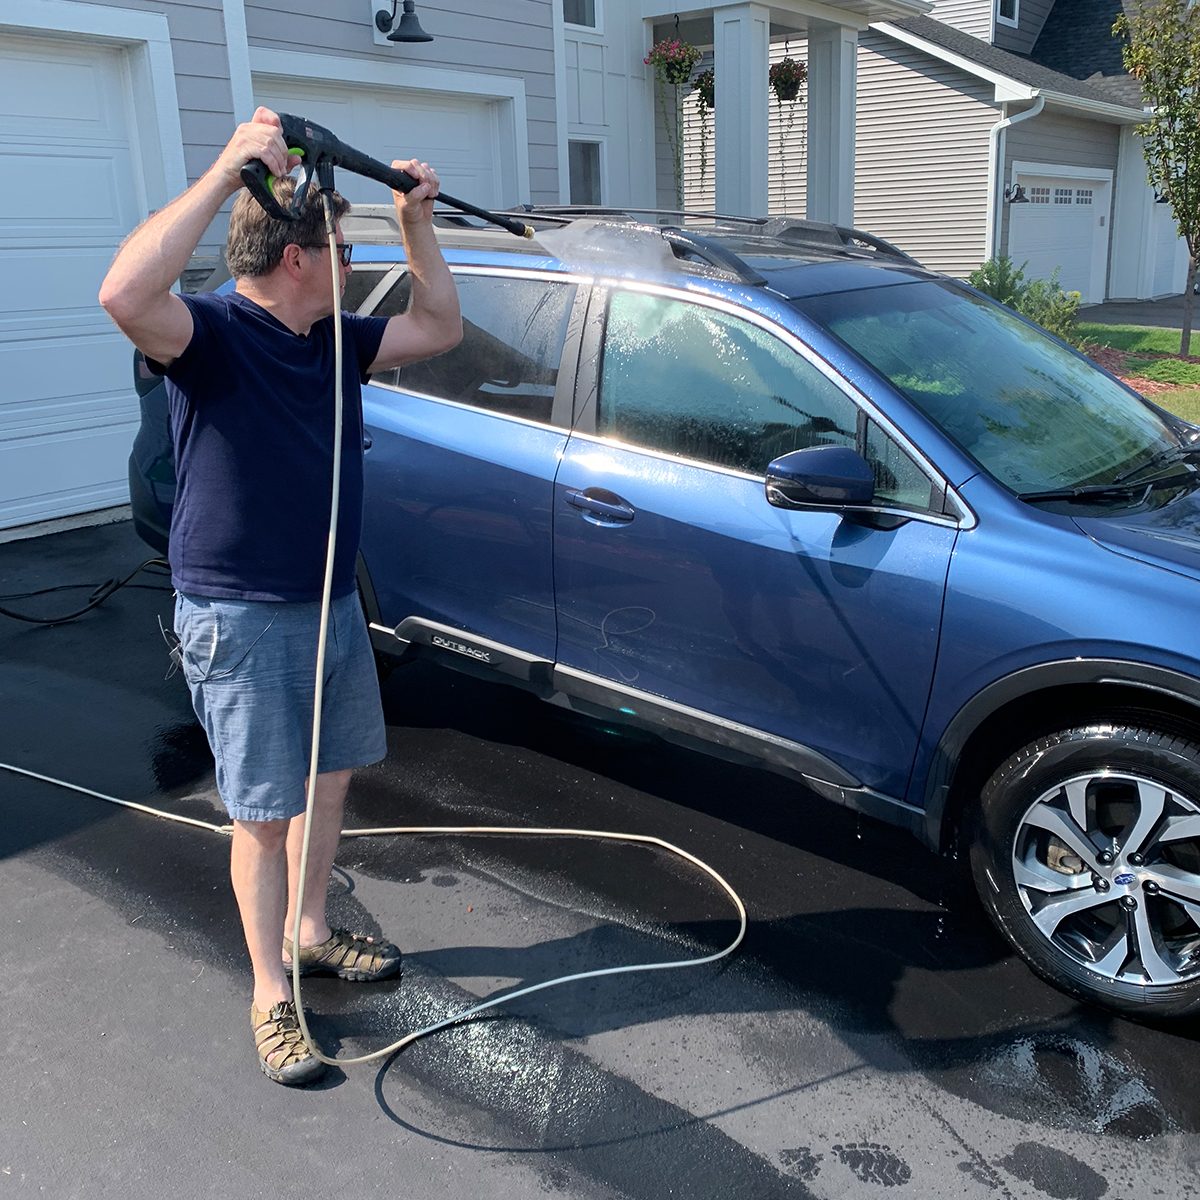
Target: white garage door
x=1064 y=225
x=456 y=134
x=68 y=195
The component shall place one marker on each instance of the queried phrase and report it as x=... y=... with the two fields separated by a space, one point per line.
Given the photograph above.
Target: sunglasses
x=345 y=249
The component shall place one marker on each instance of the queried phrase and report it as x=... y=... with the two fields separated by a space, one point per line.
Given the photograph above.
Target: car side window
x=699 y=383
x=508 y=360
x=899 y=482
x=360 y=283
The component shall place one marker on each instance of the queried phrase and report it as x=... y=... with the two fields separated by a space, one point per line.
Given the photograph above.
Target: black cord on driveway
x=98 y=596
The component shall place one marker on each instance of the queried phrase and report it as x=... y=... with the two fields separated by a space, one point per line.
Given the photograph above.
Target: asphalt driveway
x=871 y=1038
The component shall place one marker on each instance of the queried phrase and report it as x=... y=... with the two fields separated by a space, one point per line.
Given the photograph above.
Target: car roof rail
x=798 y=232
x=689 y=245
x=795 y=231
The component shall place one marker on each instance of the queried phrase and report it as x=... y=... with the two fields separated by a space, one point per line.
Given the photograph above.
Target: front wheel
x=1086 y=855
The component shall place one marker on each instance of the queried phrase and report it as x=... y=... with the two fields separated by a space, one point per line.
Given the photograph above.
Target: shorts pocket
x=218 y=636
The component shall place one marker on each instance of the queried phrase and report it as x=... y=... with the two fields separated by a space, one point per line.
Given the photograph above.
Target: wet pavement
x=872 y=1037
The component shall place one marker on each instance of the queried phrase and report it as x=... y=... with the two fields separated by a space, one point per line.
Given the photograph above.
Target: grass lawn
x=1148 y=360
x=1183 y=402
x=1136 y=337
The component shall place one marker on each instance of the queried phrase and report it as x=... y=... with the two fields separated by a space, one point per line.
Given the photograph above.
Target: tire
x=1086 y=855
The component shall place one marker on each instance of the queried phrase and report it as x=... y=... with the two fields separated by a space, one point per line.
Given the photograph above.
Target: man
x=250 y=379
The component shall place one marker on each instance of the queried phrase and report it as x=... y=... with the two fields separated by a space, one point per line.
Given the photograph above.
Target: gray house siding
x=1031 y=16
x=1060 y=140
x=515 y=39
x=971 y=16
x=921 y=154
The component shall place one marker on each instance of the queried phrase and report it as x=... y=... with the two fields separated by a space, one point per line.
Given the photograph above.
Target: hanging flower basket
x=673 y=61
x=787 y=78
x=706 y=91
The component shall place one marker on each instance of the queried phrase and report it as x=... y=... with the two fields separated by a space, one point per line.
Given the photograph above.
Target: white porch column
x=832 y=66
x=741 y=33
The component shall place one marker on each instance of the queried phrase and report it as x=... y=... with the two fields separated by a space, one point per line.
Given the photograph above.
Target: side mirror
x=820 y=477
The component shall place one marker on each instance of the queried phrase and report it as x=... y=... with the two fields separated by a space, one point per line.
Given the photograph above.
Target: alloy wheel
x=1107 y=865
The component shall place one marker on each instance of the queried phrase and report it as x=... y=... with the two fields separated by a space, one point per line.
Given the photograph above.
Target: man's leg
x=259 y=871
x=330 y=952
x=258 y=867
x=328 y=808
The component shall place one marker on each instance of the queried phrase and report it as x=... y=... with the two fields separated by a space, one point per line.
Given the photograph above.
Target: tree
x=1162 y=51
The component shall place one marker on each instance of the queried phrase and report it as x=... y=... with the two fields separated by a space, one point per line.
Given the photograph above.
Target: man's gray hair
x=256 y=241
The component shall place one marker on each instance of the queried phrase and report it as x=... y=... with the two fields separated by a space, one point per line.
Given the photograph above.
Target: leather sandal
x=282 y=1052
x=347 y=955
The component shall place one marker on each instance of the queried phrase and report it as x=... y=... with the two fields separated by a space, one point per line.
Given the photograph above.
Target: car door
x=676 y=579
x=460 y=462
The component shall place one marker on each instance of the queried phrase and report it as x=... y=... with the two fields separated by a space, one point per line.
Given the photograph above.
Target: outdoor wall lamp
x=409 y=29
x=1015 y=194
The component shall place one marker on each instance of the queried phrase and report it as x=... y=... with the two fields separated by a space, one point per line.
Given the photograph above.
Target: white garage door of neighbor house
x=1064 y=225
x=456 y=134
x=68 y=411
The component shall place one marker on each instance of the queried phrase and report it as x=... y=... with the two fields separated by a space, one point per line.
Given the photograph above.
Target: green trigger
x=298 y=151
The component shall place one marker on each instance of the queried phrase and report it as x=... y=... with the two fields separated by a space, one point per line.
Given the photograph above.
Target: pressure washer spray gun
x=320 y=151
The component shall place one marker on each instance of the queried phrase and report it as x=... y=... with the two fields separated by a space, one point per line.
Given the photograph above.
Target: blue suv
x=771 y=489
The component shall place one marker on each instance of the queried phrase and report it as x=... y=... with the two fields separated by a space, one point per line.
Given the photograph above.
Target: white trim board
x=237 y=47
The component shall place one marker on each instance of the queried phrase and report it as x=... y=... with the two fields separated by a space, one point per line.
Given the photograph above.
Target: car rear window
x=508 y=360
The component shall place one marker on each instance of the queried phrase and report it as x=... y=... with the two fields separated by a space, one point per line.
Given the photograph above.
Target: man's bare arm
x=136 y=292
x=433 y=323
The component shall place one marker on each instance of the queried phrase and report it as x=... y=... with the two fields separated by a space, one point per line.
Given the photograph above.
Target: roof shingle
x=1016 y=66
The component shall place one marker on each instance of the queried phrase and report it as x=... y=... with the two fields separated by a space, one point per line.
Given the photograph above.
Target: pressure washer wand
x=316 y=145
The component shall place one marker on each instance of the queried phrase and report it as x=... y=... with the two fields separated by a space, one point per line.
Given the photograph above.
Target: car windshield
x=1030 y=412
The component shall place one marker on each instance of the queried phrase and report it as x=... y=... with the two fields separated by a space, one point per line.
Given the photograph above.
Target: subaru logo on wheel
x=1125 y=879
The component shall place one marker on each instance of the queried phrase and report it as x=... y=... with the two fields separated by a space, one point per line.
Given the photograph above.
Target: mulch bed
x=1114 y=361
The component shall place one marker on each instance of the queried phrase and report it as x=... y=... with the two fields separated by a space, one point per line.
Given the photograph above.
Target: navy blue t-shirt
x=251 y=407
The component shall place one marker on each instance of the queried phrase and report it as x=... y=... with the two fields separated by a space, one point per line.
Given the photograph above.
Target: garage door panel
x=32 y=471
x=57 y=90
x=1062 y=227
x=53 y=288
x=84 y=376
x=43 y=190
x=70 y=193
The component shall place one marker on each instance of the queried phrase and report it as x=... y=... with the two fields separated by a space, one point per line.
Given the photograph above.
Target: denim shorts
x=250 y=666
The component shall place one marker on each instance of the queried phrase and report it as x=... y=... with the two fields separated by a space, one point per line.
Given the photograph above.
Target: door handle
x=368 y=440
x=597 y=502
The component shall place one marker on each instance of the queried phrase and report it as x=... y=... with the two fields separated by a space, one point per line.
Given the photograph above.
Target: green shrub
x=1041 y=300
x=1165 y=370
x=1000 y=279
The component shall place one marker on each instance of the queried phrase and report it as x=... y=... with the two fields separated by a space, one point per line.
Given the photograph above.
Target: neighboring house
x=992 y=127
x=1009 y=127
x=108 y=109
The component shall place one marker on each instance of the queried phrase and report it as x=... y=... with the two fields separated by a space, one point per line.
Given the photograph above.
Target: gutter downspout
x=991 y=235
